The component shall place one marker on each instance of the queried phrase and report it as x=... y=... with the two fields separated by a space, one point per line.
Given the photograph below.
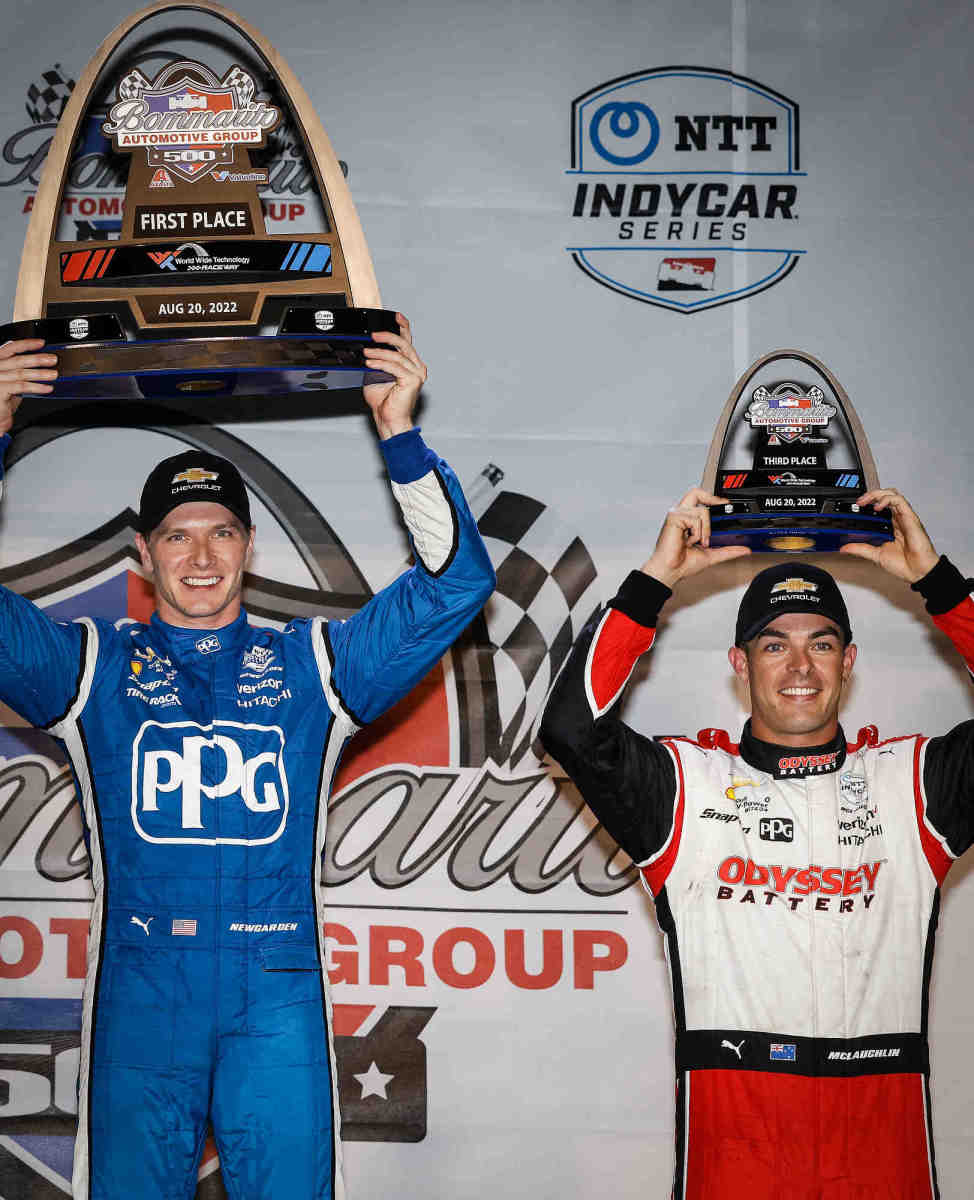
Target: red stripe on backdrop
x=346 y=1019
x=416 y=730
x=141 y=598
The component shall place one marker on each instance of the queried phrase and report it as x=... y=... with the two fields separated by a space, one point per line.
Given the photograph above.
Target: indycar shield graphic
x=686 y=186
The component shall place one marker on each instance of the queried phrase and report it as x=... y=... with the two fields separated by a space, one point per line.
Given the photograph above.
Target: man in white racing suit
x=796 y=875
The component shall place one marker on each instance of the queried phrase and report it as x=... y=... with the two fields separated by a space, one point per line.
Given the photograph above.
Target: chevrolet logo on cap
x=794 y=584
x=195 y=475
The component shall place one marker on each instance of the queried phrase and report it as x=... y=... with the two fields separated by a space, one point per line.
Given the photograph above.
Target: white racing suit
x=798 y=892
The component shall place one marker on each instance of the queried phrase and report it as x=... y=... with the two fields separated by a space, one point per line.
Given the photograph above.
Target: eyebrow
x=230 y=524
x=828 y=631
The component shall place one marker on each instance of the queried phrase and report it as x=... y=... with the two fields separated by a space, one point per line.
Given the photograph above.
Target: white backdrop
x=455 y=120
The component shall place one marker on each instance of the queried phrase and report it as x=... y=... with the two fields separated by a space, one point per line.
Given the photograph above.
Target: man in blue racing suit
x=204 y=749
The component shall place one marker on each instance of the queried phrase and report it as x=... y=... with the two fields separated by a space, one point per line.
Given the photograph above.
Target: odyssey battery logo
x=686 y=186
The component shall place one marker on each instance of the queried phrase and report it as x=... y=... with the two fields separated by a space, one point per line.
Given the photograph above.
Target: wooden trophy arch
x=818 y=513
x=709 y=481
x=330 y=311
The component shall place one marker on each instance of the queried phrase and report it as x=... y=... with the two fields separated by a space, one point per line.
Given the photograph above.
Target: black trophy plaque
x=195 y=297
x=790 y=457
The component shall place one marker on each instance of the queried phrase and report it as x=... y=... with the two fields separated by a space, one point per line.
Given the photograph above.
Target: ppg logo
x=776 y=829
x=180 y=770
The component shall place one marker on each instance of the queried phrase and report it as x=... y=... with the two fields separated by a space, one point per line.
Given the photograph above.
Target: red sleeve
x=948 y=761
x=958 y=624
x=618 y=643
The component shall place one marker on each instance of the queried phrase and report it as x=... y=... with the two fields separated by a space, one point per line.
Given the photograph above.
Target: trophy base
x=97 y=361
x=798 y=533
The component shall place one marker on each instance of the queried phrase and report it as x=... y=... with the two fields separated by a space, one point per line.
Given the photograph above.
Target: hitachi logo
x=800 y=881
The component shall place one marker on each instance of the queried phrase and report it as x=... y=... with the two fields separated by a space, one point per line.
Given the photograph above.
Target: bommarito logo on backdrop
x=686 y=186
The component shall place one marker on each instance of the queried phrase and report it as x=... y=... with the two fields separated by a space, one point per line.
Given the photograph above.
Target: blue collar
x=188 y=643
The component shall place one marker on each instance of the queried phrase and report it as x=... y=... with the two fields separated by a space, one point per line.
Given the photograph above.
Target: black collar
x=792 y=762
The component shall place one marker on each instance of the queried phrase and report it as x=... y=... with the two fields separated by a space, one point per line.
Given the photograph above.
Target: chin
x=201 y=606
x=808 y=726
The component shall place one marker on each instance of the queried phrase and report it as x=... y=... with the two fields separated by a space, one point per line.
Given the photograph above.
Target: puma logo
x=724 y=1044
x=143 y=924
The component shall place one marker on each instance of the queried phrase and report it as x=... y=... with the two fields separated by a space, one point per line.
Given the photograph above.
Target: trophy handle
x=363 y=288
x=709 y=481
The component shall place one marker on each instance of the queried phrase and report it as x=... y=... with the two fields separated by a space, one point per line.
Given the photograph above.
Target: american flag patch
x=183 y=928
x=783 y=1051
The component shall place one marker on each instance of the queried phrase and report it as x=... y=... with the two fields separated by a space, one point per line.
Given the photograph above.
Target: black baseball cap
x=192 y=476
x=790 y=587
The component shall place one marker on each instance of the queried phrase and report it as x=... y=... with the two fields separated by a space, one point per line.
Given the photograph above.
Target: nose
x=202 y=552
x=799 y=660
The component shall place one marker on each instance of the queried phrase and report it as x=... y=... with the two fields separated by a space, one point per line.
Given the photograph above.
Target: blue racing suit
x=203 y=761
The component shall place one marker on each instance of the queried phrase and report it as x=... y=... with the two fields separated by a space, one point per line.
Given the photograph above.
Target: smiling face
x=196 y=557
x=794 y=670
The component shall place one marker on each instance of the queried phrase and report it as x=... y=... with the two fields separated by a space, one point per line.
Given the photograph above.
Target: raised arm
x=629 y=781
x=948 y=761
x=378 y=655
x=390 y=644
x=40 y=659
x=948 y=764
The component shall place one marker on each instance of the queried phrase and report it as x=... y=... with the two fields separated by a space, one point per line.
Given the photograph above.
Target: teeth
x=799 y=691
x=199 y=581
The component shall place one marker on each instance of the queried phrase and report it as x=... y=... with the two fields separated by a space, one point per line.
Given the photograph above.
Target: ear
x=250 y=544
x=143 y=548
x=848 y=660
x=738 y=661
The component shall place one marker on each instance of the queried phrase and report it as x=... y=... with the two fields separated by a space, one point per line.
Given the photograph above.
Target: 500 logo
x=686 y=186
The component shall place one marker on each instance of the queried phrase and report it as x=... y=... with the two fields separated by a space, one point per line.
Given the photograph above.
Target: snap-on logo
x=180 y=769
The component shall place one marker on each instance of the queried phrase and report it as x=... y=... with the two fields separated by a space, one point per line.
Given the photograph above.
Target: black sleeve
x=948 y=771
x=948 y=783
x=628 y=780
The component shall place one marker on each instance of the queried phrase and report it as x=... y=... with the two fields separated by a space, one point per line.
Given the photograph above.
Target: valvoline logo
x=180 y=769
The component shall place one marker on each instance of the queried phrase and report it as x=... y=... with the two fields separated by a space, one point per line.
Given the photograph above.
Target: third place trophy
x=790 y=458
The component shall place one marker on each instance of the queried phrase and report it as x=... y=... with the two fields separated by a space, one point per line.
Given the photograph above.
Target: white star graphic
x=374 y=1082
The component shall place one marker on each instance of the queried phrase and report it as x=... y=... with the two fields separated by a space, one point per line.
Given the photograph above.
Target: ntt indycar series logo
x=686 y=188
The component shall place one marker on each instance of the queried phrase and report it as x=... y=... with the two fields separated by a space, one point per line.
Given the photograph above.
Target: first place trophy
x=194 y=298
x=790 y=458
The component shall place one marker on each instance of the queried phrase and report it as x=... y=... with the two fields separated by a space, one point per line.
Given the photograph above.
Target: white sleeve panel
x=430 y=519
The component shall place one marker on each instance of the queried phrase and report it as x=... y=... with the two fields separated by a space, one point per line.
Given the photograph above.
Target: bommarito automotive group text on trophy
x=194 y=297
x=790 y=457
